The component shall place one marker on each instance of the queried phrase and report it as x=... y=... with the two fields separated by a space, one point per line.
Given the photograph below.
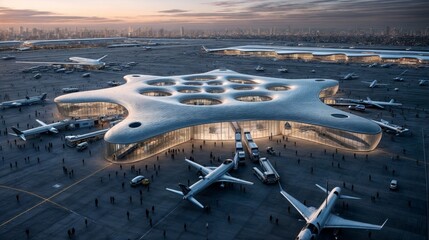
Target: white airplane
x=389 y=127
x=320 y=218
x=423 y=82
x=399 y=78
x=375 y=83
x=77 y=61
x=53 y=128
x=211 y=175
x=259 y=68
x=282 y=70
x=367 y=102
x=350 y=76
x=26 y=101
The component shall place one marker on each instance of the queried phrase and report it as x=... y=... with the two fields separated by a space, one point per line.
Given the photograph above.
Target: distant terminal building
x=328 y=54
x=77 y=42
x=164 y=111
x=7 y=45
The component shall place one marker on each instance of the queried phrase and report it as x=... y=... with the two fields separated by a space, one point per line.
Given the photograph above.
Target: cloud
x=173 y=11
x=26 y=16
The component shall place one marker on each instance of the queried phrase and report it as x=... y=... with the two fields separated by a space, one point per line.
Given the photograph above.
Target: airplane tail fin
x=102 y=58
x=391 y=101
x=18 y=133
x=43 y=96
x=204 y=48
x=185 y=189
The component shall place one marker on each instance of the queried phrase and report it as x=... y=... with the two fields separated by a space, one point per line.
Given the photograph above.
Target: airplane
x=350 y=76
x=211 y=175
x=389 y=127
x=423 y=82
x=26 y=101
x=318 y=219
x=37 y=76
x=374 y=84
x=75 y=61
x=52 y=127
x=259 y=68
x=386 y=65
x=399 y=78
x=368 y=102
x=282 y=70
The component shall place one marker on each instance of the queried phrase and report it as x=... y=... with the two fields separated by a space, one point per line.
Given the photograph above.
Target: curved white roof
x=158 y=104
x=317 y=51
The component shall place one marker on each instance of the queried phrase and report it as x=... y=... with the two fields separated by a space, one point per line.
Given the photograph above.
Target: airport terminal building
x=162 y=112
x=328 y=54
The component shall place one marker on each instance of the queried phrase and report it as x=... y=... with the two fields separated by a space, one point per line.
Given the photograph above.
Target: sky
x=220 y=14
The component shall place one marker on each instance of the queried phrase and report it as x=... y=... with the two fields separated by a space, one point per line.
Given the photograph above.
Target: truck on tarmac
x=268 y=175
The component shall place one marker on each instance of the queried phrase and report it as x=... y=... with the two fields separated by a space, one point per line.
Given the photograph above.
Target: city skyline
x=215 y=14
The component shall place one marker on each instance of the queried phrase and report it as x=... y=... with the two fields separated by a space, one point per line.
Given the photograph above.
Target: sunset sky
x=217 y=13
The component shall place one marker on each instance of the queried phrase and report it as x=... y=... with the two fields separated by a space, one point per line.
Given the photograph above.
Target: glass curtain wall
x=259 y=129
x=91 y=109
x=331 y=137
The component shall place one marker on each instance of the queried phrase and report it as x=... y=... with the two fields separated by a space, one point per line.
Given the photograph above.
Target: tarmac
x=39 y=196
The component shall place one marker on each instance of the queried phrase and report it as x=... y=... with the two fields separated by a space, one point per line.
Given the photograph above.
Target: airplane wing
x=49 y=63
x=301 y=208
x=334 y=221
x=41 y=122
x=226 y=178
x=201 y=168
x=194 y=201
x=56 y=63
x=376 y=105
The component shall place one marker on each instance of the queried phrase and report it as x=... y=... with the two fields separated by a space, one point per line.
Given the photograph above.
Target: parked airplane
x=350 y=76
x=423 y=82
x=320 y=218
x=389 y=127
x=76 y=61
x=26 y=101
x=375 y=83
x=52 y=127
x=368 y=102
x=259 y=68
x=211 y=175
x=399 y=78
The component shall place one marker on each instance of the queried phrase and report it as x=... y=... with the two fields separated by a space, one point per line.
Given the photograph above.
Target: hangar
x=164 y=111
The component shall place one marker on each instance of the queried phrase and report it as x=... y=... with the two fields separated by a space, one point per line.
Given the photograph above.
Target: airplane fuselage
x=86 y=61
x=319 y=217
x=209 y=179
x=24 y=102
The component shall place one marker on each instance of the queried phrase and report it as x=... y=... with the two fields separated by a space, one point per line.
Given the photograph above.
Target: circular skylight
x=161 y=82
x=200 y=78
x=241 y=80
x=339 y=115
x=201 y=101
x=253 y=98
x=155 y=93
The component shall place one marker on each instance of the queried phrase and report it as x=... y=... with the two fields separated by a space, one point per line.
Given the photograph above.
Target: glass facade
x=223 y=131
x=92 y=109
x=331 y=137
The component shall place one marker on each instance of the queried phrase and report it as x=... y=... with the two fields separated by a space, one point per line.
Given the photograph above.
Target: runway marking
x=49 y=198
x=161 y=220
